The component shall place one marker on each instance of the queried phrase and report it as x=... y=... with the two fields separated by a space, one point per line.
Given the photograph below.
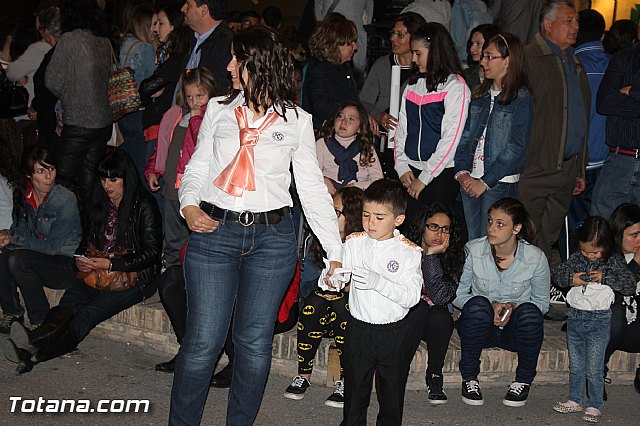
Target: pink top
x=366 y=175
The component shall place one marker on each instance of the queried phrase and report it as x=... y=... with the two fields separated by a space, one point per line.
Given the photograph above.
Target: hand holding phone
x=503 y=312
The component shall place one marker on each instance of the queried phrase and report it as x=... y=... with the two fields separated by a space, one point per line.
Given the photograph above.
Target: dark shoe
x=6 y=321
x=222 y=379
x=55 y=322
x=19 y=356
x=636 y=381
x=167 y=367
x=555 y=314
x=434 y=386
x=65 y=343
x=517 y=394
x=336 y=399
x=297 y=388
x=471 y=393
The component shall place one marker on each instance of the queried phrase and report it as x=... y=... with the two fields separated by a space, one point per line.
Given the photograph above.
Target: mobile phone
x=81 y=256
x=503 y=312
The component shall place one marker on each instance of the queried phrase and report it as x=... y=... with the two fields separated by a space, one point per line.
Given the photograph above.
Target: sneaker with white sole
x=434 y=386
x=336 y=399
x=297 y=388
x=517 y=394
x=471 y=393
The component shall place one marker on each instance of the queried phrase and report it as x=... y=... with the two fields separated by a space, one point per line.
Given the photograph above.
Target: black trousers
x=387 y=351
x=443 y=188
x=434 y=325
x=624 y=337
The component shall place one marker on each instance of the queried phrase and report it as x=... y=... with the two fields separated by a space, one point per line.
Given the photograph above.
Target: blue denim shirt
x=142 y=58
x=527 y=280
x=54 y=228
x=508 y=129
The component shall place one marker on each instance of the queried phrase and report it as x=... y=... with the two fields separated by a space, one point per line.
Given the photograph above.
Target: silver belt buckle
x=246 y=218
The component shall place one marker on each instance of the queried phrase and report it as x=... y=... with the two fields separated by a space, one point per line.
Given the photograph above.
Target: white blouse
x=280 y=145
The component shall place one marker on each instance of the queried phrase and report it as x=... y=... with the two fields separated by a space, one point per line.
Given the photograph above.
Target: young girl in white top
x=346 y=153
x=593 y=273
x=235 y=198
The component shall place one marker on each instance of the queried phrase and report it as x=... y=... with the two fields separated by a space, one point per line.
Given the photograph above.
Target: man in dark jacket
x=557 y=150
x=211 y=44
x=619 y=101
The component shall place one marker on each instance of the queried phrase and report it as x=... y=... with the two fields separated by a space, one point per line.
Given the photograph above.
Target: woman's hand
x=374 y=125
x=199 y=221
x=415 y=188
x=388 y=121
x=86 y=264
x=407 y=178
x=441 y=248
x=577 y=280
x=152 y=179
x=158 y=93
x=475 y=187
x=500 y=311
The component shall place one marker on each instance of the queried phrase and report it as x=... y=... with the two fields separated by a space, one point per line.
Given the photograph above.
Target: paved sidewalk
x=102 y=369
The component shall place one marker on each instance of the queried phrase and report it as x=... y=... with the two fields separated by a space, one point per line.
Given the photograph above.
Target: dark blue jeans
x=134 y=142
x=9 y=298
x=476 y=210
x=246 y=267
x=522 y=334
x=619 y=182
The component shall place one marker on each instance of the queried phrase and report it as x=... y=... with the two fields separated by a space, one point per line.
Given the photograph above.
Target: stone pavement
x=103 y=369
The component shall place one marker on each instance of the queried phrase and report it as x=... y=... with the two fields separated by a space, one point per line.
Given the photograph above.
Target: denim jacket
x=508 y=128
x=142 y=58
x=527 y=280
x=54 y=228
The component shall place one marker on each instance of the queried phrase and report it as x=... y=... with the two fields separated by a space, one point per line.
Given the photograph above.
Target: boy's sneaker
x=517 y=394
x=336 y=399
x=434 y=386
x=297 y=388
x=557 y=297
x=471 y=393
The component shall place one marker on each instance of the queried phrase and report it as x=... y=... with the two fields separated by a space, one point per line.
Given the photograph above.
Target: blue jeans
x=587 y=339
x=523 y=334
x=246 y=267
x=619 y=182
x=476 y=209
x=134 y=143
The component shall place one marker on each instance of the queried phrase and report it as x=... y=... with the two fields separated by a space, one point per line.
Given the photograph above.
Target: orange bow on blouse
x=240 y=174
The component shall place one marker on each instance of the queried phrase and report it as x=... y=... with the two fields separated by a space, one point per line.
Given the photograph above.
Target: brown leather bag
x=104 y=280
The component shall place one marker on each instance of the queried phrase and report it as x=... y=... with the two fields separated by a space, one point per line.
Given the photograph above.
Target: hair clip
x=187 y=72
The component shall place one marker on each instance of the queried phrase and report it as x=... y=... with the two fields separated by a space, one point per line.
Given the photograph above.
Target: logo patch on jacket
x=278 y=136
x=393 y=266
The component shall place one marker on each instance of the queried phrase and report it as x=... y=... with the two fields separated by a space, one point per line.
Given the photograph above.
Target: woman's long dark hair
x=32 y=155
x=624 y=216
x=510 y=47
x=519 y=216
x=178 y=40
x=487 y=31
x=443 y=59
x=452 y=260
x=116 y=164
x=265 y=56
x=365 y=134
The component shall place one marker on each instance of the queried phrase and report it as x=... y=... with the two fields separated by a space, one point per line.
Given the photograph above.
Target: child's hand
x=577 y=280
x=364 y=278
x=196 y=110
x=152 y=179
x=595 y=277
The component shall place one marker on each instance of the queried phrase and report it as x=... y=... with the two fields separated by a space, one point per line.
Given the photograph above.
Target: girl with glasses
x=490 y=156
x=436 y=231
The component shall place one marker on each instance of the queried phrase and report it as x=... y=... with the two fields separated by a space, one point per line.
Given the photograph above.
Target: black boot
x=56 y=320
x=167 y=367
x=636 y=381
x=19 y=356
x=223 y=378
x=66 y=342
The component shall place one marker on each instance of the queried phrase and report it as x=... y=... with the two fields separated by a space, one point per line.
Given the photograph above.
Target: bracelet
x=110 y=265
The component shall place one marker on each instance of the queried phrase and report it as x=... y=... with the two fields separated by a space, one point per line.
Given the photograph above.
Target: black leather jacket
x=144 y=238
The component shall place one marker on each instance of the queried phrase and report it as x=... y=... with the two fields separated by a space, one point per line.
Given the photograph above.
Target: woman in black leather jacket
x=123 y=216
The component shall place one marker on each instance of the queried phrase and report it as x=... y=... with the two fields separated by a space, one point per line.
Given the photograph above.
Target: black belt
x=624 y=151
x=244 y=218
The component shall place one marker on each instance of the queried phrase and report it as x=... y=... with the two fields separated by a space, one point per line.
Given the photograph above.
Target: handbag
x=124 y=97
x=104 y=280
x=14 y=99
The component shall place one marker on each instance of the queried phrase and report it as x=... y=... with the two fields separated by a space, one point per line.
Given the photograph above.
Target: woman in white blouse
x=242 y=252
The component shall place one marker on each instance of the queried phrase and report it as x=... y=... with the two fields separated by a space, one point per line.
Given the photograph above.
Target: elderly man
x=557 y=149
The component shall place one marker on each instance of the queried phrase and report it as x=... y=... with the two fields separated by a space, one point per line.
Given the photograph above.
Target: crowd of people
x=517 y=131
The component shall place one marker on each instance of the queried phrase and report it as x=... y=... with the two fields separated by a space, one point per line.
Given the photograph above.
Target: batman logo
x=311 y=363
x=340 y=353
x=343 y=325
x=315 y=334
x=323 y=321
x=308 y=310
x=340 y=339
x=332 y=317
x=346 y=306
x=331 y=333
x=300 y=358
x=300 y=326
x=304 y=346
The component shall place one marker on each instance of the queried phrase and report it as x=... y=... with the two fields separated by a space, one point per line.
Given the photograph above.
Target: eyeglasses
x=398 y=34
x=490 y=58
x=338 y=212
x=434 y=227
x=43 y=169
